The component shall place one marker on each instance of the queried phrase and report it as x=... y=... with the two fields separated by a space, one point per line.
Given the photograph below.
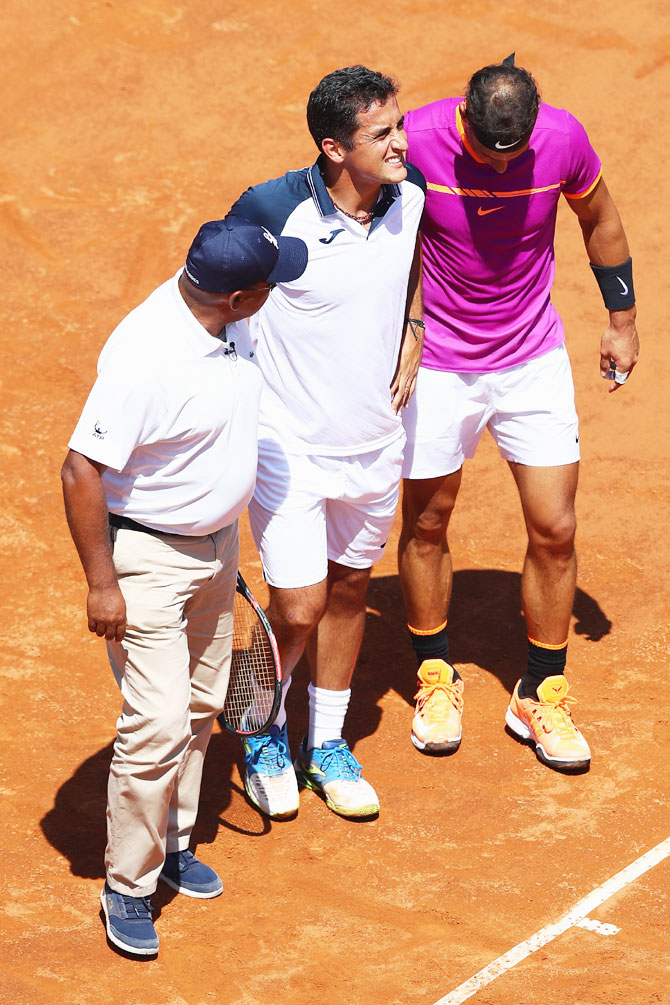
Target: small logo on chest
x=485 y=212
x=333 y=235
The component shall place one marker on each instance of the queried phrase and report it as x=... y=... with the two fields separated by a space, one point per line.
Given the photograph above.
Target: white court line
x=550 y=932
x=597 y=926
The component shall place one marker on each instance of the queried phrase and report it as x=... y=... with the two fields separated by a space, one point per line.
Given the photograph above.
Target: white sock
x=327 y=710
x=261 y=704
x=281 y=714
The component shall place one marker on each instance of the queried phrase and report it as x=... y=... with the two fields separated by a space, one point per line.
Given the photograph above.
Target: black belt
x=124 y=521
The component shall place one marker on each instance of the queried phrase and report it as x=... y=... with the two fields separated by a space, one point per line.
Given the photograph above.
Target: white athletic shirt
x=174 y=416
x=328 y=343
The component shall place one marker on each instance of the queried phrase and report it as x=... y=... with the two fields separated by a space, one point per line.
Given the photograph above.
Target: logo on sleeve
x=624 y=291
x=333 y=235
x=98 y=432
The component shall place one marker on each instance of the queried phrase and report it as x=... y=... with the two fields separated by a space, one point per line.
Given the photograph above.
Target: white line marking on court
x=597 y=926
x=579 y=912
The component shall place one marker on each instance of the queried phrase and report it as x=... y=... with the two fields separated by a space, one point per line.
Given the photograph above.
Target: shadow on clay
x=76 y=824
x=486 y=628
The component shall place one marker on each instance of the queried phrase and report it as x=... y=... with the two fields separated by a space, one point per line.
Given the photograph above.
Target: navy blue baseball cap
x=233 y=254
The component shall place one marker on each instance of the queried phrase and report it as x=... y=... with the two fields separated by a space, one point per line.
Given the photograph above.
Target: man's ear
x=333 y=150
x=236 y=299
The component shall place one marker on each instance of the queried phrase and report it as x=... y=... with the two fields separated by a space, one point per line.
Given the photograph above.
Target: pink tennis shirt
x=488 y=238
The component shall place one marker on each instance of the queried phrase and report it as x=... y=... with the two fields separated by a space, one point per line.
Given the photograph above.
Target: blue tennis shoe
x=333 y=772
x=269 y=777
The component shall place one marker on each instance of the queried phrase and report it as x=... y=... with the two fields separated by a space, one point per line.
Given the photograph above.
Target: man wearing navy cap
x=161 y=463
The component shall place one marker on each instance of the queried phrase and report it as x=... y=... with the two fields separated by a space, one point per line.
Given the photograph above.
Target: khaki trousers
x=172 y=667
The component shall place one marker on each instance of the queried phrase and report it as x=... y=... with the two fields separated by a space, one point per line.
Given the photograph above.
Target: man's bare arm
x=86 y=511
x=411 y=347
x=606 y=244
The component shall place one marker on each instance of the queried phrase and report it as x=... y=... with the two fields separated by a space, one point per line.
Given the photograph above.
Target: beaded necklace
x=363 y=218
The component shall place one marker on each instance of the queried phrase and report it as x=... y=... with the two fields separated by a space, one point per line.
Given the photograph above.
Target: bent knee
x=427 y=507
x=556 y=535
x=428 y=525
x=296 y=617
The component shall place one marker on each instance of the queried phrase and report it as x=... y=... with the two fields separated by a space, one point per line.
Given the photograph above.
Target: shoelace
x=433 y=693
x=346 y=764
x=272 y=763
x=557 y=715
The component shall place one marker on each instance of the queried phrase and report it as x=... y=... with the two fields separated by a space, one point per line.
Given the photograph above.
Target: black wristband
x=616 y=284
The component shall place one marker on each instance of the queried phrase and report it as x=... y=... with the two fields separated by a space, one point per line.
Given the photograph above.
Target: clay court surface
x=126 y=125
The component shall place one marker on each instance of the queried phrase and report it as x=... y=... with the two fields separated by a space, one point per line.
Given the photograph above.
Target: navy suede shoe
x=185 y=874
x=129 y=922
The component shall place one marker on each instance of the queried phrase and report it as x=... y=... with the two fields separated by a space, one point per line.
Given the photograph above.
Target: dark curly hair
x=501 y=103
x=334 y=104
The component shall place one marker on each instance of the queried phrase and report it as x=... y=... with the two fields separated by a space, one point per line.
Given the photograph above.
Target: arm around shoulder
x=270 y=203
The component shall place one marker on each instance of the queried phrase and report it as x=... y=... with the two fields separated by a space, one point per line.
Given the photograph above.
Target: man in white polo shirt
x=338 y=363
x=165 y=453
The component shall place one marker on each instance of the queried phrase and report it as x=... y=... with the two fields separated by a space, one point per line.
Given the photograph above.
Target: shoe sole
x=361 y=813
x=443 y=747
x=520 y=731
x=198 y=895
x=285 y=815
x=116 y=941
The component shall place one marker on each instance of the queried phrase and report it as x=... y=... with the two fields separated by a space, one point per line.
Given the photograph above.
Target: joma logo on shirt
x=333 y=235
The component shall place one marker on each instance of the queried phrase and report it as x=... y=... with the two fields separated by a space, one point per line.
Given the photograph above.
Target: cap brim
x=292 y=260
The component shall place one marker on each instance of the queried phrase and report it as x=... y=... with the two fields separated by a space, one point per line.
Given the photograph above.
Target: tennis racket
x=254 y=688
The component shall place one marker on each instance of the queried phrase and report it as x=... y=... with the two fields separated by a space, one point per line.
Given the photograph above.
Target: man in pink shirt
x=496 y=163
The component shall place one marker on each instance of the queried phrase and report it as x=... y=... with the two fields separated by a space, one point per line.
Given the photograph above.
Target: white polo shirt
x=328 y=343
x=174 y=417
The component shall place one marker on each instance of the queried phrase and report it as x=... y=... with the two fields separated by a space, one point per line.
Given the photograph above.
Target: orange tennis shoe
x=547 y=725
x=436 y=726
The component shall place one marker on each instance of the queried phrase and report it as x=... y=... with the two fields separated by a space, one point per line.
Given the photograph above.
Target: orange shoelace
x=556 y=715
x=440 y=697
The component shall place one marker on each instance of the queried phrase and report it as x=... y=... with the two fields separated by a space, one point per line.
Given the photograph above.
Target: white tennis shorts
x=529 y=410
x=308 y=509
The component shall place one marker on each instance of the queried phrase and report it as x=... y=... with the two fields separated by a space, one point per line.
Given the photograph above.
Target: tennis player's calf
x=423 y=550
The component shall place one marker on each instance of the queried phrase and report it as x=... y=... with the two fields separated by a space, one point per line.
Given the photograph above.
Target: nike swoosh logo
x=625 y=288
x=485 y=212
x=505 y=146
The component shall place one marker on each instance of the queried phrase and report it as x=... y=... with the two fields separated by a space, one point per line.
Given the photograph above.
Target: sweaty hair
x=334 y=104
x=501 y=105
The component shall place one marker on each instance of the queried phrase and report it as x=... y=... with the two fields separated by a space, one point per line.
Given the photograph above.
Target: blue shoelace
x=271 y=752
x=341 y=761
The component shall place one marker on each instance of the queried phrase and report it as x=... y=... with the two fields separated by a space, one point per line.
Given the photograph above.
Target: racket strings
x=251 y=689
